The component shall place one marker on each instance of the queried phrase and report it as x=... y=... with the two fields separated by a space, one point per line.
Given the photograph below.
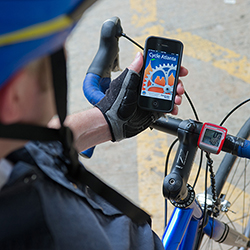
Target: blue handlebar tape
x=94 y=88
x=245 y=150
x=88 y=152
x=104 y=84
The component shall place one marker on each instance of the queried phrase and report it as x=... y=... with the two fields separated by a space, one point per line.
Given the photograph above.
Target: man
x=43 y=205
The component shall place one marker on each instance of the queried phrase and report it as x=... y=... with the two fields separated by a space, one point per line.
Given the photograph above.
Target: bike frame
x=182 y=228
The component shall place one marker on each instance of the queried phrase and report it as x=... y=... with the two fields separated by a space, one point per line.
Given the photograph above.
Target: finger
x=178 y=100
x=136 y=65
x=175 y=110
x=180 y=88
x=183 y=71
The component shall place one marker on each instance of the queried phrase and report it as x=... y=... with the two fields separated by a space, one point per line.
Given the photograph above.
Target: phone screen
x=159 y=74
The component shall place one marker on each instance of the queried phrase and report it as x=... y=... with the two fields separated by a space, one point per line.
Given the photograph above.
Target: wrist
x=96 y=131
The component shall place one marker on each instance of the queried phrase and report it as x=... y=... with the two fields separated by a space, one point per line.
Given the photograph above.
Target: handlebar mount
x=175 y=187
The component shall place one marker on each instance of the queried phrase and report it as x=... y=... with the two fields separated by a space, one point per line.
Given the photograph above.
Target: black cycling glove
x=119 y=107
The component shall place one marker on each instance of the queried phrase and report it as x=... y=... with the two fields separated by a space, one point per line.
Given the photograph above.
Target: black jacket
x=41 y=209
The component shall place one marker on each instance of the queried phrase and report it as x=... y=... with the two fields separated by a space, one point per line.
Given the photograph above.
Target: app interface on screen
x=159 y=74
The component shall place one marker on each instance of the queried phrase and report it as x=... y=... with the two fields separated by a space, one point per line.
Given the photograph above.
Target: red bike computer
x=212 y=138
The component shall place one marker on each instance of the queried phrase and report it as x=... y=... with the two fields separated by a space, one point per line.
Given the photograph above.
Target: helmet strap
x=59 y=71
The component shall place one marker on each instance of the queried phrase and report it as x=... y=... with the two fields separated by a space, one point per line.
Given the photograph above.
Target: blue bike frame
x=182 y=228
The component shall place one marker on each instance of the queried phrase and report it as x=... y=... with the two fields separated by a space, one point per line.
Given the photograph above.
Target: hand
x=119 y=106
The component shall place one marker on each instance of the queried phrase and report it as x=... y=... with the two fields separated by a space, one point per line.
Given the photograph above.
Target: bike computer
x=212 y=138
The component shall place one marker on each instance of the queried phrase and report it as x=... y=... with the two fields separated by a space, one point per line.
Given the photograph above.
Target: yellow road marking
x=153 y=145
x=144 y=12
x=207 y=51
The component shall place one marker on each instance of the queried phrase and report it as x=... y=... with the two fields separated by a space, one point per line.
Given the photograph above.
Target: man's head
x=32 y=36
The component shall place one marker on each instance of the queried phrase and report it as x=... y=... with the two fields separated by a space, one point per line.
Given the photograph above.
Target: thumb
x=136 y=65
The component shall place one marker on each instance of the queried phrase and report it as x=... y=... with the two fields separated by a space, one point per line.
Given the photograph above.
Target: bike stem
x=175 y=186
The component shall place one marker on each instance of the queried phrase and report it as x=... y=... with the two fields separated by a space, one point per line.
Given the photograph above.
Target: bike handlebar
x=233 y=144
x=188 y=131
x=106 y=60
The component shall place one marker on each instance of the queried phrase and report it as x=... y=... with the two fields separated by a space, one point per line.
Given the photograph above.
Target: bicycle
x=193 y=217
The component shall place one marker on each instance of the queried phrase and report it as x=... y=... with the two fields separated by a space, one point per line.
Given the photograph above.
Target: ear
x=11 y=98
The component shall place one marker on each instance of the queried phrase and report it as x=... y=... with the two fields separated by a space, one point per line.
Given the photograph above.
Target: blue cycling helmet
x=32 y=29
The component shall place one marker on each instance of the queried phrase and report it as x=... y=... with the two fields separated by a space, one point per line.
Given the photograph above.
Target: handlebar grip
x=94 y=87
x=87 y=153
x=244 y=151
x=106 y=58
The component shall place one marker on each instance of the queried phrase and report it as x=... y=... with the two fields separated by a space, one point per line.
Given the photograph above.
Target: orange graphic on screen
x=155 y=79
x=171 y=80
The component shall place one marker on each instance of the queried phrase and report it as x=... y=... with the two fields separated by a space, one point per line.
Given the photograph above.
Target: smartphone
x=160 y=72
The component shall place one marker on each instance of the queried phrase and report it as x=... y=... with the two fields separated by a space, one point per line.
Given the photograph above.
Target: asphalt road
x=217 y=54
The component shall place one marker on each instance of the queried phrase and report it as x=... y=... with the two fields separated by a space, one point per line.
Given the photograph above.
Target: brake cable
x=133 y=41
x=233 y=110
